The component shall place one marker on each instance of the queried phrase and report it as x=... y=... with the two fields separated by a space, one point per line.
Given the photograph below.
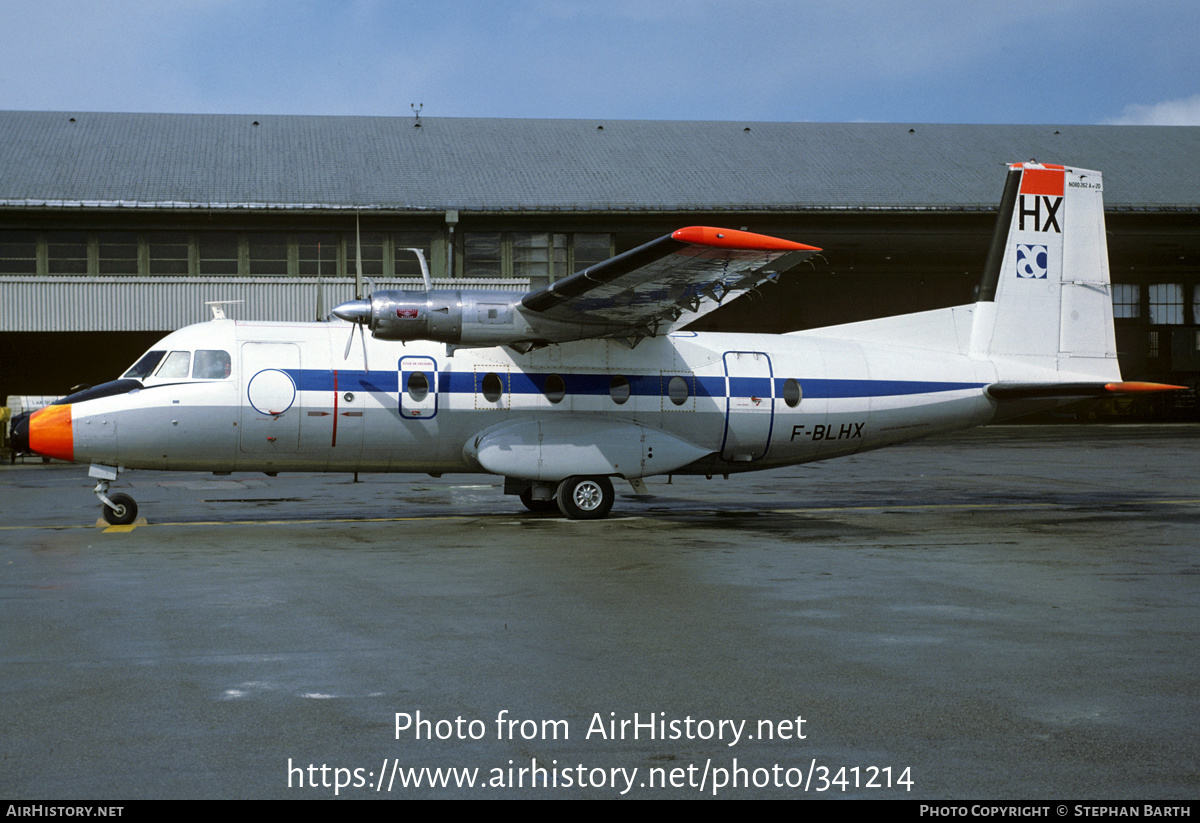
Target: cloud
x=1182 y=112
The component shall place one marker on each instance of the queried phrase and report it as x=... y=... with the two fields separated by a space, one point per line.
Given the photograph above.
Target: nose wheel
x=118 y=509
x=123 y=511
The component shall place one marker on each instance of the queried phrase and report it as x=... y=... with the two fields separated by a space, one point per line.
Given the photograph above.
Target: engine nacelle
x=461 y=317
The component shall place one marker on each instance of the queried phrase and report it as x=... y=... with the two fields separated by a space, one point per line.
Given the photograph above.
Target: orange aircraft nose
x=50 y=432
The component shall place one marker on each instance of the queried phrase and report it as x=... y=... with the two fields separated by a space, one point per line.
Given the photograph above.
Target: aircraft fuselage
x=290 y=402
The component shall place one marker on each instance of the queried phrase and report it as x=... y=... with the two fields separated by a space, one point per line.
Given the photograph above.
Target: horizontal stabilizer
x=1047 y=391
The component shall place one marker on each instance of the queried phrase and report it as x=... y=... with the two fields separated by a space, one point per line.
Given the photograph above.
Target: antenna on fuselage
x=218 y=312
x=424 y=268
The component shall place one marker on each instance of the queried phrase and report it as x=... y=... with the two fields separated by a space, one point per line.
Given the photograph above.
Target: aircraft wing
x=665 y=283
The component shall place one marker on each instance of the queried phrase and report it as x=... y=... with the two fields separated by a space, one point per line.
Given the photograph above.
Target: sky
x=918 y=61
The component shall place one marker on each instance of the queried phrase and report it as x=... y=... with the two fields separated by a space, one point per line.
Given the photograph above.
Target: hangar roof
x=64 y=159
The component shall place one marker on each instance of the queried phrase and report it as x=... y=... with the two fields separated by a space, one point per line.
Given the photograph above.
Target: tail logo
x=1032 y=262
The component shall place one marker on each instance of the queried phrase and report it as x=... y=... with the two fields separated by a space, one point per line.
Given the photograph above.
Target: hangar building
x=116 y=228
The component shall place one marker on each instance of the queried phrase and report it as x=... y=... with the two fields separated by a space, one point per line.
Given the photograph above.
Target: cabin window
x=792 y=393
x=418 y=386
x=493 y=387
x=144 y=366
x=555 y=389
x=177 y=364
x=211 y=364
x=677 y=390
x=618 y=389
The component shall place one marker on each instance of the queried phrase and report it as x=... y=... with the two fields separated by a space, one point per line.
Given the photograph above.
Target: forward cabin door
x=418 y=388
x=749 y=406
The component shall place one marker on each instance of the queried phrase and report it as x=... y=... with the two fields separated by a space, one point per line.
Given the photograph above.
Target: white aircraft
x=563 y=389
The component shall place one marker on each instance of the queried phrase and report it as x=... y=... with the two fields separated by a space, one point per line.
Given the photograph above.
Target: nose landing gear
x=119 y=509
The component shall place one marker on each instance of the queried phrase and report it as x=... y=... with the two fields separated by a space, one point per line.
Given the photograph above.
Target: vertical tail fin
x=1045 y=307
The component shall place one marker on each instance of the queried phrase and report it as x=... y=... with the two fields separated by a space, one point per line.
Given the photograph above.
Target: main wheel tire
x=585 y=497
x=124 y=513
x=550 y=505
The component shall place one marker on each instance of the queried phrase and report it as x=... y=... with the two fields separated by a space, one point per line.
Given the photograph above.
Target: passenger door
x=749 y=406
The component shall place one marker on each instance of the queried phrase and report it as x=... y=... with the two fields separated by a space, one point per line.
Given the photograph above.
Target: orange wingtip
x=1130 y=388
x=50 y=432
x=734 y=239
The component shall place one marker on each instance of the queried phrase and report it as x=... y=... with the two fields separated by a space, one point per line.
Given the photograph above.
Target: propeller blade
x=363 y=335
x=357 y=259
x=349 y=341
x=320 y=288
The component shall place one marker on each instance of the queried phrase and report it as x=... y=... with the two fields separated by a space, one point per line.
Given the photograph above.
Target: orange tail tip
x=734 y=239
x=1134 y=387
x=50 y=432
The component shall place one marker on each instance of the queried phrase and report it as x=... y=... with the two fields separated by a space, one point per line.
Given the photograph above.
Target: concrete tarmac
x=1012 y=613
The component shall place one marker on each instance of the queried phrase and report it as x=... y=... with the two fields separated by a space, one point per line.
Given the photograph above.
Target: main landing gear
x=117 y=509
x=581 y=497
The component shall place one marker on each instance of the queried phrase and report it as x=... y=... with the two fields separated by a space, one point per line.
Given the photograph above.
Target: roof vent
x=416 y=113
x=746 y=130
x=599 y=128
x=72 y=119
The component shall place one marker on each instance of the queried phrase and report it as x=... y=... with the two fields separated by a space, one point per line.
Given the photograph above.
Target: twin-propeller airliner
x=593 y=378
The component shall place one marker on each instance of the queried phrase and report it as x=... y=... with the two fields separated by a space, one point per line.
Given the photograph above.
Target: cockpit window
x=177 y=364
x=144 y=366
x=211 y=365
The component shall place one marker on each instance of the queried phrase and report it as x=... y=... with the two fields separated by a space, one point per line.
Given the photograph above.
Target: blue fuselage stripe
x=647 y=385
